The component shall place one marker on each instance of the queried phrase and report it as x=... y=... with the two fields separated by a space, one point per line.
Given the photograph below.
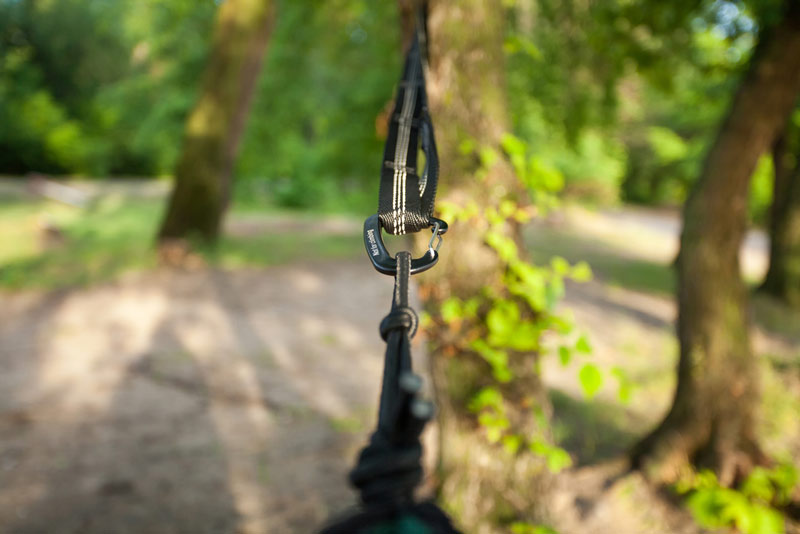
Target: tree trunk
x=783 y=277
x=711 y=421
x=479 y=484
x=215 y=124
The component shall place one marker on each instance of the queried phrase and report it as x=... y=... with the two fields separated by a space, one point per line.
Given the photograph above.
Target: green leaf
x=564 y=355
x=487 y=397
x=503 y=318
x=488 y=156
x=625 y=390
x=507 y=208
x=667 y=145
x=512 y=443
x=581 y=272
x=562 y=325
x=496 y=358
x=560 y=265
x=452 y=310
x=467 y=146
x=470 y=309
x=591 y=379
x=520 y=527
x=503 y=245
x=706 y=508
x=517 y=44
x=758 y=485
x=765 y=520
x=531 y=286
x=512 y=144
x=543 y=177
x=495 y=425
x=556 y=458
x=583 y=345
x=525 y=337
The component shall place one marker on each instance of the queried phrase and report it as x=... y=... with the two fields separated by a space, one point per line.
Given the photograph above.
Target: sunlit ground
x=129 y=390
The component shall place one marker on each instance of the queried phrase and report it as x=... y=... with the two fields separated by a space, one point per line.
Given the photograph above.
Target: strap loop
x=405 y=202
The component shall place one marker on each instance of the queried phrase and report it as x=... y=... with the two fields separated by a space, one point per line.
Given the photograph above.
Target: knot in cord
x=400 y=318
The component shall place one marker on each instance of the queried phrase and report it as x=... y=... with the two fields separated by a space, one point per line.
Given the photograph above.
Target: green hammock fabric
x=402 y=525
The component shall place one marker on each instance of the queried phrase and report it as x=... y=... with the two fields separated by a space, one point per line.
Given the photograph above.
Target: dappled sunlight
x=190 y=325
x=271 y=377
x=644 y=235
x=243 y=428
x=89 y=342
x=78 y=357
x=306 y=283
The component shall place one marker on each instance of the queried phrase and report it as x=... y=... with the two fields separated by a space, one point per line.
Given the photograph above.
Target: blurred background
x=188 y=327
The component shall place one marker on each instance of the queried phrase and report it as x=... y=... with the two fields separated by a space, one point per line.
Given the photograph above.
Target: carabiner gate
x=384 y=262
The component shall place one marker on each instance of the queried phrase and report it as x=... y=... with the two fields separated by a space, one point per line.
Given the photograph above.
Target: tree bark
x=711 y=421
x=215 y=124
x=783 y=277
x=479 y=484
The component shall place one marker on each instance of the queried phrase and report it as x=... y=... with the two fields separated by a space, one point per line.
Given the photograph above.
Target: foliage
x=117 y=104
x=330 y=71
x=621 y=98
x=505 y=323
x=527 y=528
x=625 y=97
x=751 y=508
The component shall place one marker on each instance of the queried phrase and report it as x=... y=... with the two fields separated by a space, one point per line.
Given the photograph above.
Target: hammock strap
x=406 y=197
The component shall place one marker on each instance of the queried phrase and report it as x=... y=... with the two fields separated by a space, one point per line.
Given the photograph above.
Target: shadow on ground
x=195 y=402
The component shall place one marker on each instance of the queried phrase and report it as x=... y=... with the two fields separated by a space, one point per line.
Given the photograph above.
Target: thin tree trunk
x=467 y=90
x=215 y=124
x=783 y=277
x=711 y=422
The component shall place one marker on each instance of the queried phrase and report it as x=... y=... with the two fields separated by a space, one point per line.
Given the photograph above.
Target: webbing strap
x=405 y=202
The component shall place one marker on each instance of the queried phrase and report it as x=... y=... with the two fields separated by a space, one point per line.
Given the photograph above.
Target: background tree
x=482 y=382
x=783 y=277
x=215 y=125
x=711 y=421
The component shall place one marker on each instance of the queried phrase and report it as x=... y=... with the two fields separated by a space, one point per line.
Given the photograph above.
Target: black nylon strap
x=405 y=202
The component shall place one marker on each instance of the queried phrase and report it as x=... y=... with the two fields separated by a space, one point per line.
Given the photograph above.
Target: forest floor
x=228 y=398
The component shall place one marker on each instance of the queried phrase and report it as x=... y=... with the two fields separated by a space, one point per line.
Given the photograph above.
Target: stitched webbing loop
x=405 y=201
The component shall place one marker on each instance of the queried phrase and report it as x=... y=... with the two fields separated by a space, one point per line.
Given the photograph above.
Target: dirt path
x=629 y=315
x=235 y=402
x=203 y=402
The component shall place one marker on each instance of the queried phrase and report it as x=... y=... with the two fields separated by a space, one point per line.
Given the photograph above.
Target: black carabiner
x=384 y=262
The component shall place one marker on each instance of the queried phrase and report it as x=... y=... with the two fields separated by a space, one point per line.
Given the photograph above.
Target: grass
x=611 y=263
x=115 y=235
x=615 y=265
x=95 y=243
x=276 y=249
x=593 y=430
x=776 y=318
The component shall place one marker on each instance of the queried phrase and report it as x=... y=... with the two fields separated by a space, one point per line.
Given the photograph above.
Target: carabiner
x=384 y=262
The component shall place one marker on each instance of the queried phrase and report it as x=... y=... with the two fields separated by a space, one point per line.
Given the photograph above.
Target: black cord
x=389 y=468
